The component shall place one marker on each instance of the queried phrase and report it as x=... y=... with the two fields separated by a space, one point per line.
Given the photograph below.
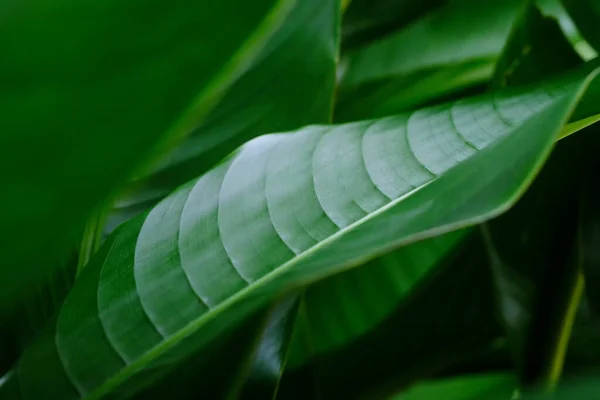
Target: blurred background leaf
x=585 y=14
x=470 y=387
x=90 y=93
x=453 y=48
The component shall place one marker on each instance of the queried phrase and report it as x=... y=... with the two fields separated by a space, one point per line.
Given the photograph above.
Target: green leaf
x=221 y=371
x=586 y=14
x=556 y=9
x=90 y=91
x=452 y=48
x=290 y=85
x=473 y=387
x=443 y=324
x=348 y=305
x=284 y=211
x=272 y=354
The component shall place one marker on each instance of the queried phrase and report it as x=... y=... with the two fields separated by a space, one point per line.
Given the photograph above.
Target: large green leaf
x=91 y=90
x=452 y=48
x=289 y=85
x=284 y=211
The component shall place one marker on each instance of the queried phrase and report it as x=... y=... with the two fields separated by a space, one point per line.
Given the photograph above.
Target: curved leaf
x=92 y=90
x=284 y=211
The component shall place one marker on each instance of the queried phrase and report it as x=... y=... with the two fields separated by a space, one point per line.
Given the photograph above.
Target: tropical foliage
x=300 y=199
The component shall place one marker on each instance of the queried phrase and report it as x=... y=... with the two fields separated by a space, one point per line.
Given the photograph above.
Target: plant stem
x=564 y=333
